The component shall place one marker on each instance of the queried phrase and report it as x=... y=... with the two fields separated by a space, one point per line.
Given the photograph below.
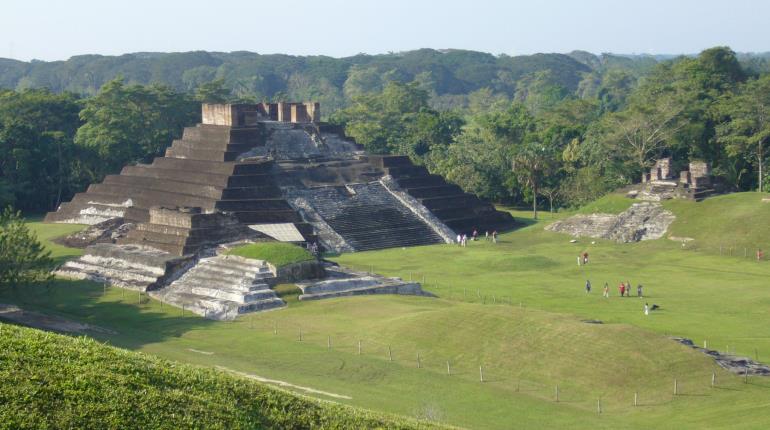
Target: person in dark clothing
x=588 y=286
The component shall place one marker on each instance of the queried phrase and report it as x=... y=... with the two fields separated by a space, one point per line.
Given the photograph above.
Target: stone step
x=435 y=191
x=122 y=274
x=422 y=181
x=253 y=204
x=204 y=277
x=211 y=145
x=234 y=295
x=201 y=154
x=233 y=266
x=177 y=186
x=195 y=177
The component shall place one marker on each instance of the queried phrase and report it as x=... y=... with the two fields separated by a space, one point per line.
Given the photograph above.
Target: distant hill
x=333 y=81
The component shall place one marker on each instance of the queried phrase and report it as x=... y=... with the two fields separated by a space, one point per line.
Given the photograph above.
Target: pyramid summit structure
x=274 y=167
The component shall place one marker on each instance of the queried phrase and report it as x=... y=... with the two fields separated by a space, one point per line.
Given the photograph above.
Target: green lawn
x=513 y=308
x=279 y=254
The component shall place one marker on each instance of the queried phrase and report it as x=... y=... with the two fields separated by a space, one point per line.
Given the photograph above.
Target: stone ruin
x=251 y=172
x=660 y=183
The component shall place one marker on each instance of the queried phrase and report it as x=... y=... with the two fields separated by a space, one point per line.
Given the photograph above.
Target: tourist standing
x=459 y=240
x=580 y=261
x=475 y=234
x=494 y=236
x=606 y=293
x=585 y=258
x=646 y=309
x=486 y=235
x=628 y=289
x=588 y=286
x=622 y=289
x=639 y=291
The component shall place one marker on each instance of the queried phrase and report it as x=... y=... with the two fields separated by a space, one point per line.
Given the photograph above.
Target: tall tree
x=23 y=259
x=747 y=131
x=132 y=123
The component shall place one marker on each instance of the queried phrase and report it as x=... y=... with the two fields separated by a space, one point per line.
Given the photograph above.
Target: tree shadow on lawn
x=129 y=324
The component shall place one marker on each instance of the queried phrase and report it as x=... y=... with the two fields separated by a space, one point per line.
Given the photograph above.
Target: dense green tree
x=37 y=157
x=746 y=133
x=398 y=120
x=23 y=259
x=131 y=123
x=213 y=92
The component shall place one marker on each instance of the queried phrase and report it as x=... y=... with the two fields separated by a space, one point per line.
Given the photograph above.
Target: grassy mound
x=278 y=254
x=736 y=220
x=55 y=381
x=609 y=204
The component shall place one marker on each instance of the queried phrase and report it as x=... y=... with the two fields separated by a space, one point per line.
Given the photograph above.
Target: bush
x=56 y=381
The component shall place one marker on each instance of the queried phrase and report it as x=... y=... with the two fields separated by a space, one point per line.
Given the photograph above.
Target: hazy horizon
x=50 y=31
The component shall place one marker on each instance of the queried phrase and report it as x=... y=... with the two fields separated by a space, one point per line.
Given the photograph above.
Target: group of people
x=624 y=289
x=462 y=239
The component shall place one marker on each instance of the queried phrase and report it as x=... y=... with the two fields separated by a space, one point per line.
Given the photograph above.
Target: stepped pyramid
x=275 y=165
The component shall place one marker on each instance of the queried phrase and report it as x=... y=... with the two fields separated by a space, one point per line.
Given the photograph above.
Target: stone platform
x=341 y=282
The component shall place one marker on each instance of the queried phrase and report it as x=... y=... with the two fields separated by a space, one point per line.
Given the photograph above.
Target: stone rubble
x=642 y=221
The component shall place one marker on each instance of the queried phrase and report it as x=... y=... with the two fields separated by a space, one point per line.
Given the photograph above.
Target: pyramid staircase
x=222 y=287
x=368 y=217
x=460 y=211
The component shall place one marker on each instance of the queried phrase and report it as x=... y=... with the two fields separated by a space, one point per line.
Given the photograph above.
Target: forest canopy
x=561 y=129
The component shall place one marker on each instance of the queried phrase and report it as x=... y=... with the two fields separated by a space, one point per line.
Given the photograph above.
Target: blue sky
x=56 y=30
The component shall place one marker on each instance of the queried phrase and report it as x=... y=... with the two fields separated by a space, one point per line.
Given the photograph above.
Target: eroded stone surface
x=642 y=221
x=732 y=363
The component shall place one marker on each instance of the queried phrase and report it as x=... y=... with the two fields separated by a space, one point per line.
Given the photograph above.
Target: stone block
x=700 y=169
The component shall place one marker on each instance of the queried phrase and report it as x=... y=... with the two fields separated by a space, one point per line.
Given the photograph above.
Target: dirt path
x=284 y=384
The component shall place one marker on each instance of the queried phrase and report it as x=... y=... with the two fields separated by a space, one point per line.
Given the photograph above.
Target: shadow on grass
x=135 y=319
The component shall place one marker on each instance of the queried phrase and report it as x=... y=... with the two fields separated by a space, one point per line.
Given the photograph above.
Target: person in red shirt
x=622 y=289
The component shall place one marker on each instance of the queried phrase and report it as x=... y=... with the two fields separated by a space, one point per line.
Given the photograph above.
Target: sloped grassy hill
x=55 y=381
x=735 y=222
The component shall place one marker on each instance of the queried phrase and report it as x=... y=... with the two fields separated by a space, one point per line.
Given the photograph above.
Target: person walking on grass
x=622 y=289
x=639 y=291
x=588 y=286
x=494 y=236
x=606 y=293
x=628 y=289
x=585 y=258
x=646 y=309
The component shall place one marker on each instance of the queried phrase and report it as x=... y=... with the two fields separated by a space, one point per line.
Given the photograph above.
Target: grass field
x=278 y=254
x=515 y=310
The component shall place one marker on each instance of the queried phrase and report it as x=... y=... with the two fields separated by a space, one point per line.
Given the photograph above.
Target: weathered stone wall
x=662 y=169
x=700 y=169
x=297 y=272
